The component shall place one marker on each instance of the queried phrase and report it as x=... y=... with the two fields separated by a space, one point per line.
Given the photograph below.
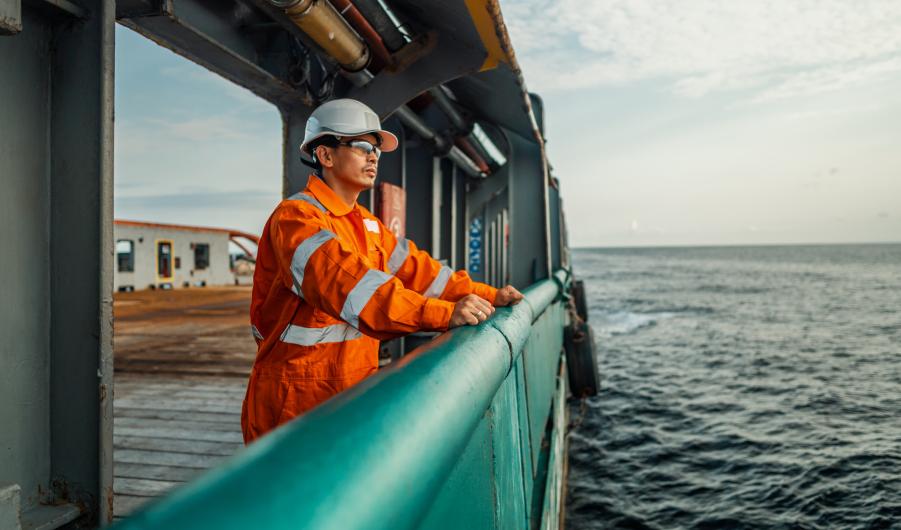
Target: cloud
x=201 y=200
x=195 y=73
x=243 y=210
x=207 y=128
x=777 y=48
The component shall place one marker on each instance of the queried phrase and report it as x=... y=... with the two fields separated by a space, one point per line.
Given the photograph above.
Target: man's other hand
x=507 y=296
x=470 y=310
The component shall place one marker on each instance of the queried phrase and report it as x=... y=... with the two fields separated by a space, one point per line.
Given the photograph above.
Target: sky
x=668 y=123
x=191 y=147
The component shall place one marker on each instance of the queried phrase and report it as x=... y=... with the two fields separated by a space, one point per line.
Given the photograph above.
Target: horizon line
x=735 y=245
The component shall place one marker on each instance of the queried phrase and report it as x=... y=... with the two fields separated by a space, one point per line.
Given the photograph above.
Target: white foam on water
x=613 y=323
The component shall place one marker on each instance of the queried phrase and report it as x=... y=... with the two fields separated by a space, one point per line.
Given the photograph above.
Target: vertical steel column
x=556 y=238
x=436 y=207
x=57 y=136
x=81 y=249
x=419 y=168
x=505 y=247
x=529 y=247
x=295 y=173
x=25 y=259
x=454 y=220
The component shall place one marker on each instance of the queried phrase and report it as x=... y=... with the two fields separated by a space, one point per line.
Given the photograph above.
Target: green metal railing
x=448 y=437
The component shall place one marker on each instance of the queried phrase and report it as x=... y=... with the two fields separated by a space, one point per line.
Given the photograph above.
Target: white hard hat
x=345 y=117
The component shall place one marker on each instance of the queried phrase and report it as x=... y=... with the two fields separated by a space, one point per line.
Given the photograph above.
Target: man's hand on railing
x=470 y=310
x=507 y=295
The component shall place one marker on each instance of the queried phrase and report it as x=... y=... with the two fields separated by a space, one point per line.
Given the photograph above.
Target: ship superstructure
x=467 y=431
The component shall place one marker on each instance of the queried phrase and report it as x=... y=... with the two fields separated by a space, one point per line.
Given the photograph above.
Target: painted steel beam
x=240 y=42
x=448 y=59
x=58 y=9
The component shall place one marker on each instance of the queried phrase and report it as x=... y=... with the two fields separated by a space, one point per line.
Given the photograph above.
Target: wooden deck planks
x=195 y=434
x=149 y=423
x=125 y=504
x=177 y=446
x=182 y=361
x=143 y=487
x=182 y=405
x=167 y=431
x=156 y=472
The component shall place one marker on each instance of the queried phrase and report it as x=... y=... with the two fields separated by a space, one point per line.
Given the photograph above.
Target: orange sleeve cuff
x=436 y=314
x=485 y=291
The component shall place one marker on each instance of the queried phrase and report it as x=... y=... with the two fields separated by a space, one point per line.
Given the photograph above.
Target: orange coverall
x=331 y=281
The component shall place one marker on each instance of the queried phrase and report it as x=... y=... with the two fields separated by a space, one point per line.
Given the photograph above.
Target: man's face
x=351 y=165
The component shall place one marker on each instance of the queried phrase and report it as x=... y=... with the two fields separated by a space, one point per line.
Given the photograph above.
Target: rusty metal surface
x=393 y=208
x=10 y=17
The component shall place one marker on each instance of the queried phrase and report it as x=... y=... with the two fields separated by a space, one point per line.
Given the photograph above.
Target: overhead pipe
x=417 y=125
x=381 y=55
x=465 y=163
x=439 y=93
x=480 y=150
x=384 y=22
x=473 y=154
x=491 y=150
x=420 y=127
x=328 y=29
x=320 y=20
x=473 y=132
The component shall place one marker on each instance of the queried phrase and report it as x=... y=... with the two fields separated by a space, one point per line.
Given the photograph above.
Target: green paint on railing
x=414 y=439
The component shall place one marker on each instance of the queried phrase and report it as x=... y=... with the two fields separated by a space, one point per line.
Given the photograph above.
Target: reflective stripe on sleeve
x=302 y=336
x=399 y=255
x=302 y=256
x=360 y=295
x=301 y=196
x=256 y=332
x=439 y=283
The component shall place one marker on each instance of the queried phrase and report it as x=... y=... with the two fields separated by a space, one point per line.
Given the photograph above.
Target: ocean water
x=744 y=387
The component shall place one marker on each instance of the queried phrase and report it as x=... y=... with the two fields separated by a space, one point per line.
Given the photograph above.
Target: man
x=331 y=280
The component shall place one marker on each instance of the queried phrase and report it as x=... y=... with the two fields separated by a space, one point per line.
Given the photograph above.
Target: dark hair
x=328 y=141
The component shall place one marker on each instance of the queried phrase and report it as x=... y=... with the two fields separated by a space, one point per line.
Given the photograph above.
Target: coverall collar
x=328 y=197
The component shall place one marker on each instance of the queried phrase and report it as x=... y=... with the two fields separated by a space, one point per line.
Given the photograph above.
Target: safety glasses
x=363 y=146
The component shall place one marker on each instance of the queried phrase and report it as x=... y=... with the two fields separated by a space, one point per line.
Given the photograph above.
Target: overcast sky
x=668 y=123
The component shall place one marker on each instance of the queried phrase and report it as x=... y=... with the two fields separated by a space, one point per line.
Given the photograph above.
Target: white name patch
x=371 y=225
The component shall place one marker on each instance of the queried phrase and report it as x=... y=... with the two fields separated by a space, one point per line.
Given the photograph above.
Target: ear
x=324 y=156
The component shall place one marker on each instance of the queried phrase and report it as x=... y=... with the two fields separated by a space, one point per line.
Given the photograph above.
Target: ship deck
x=182 y=358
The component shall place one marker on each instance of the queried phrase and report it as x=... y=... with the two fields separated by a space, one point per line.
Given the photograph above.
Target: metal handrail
x=373 y=457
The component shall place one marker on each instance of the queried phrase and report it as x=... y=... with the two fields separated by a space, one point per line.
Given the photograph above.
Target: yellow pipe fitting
x=328 y=29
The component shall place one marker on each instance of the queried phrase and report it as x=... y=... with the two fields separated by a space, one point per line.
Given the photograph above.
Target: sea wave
x=608 y=324
x=751 y=388
x=732 y=289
